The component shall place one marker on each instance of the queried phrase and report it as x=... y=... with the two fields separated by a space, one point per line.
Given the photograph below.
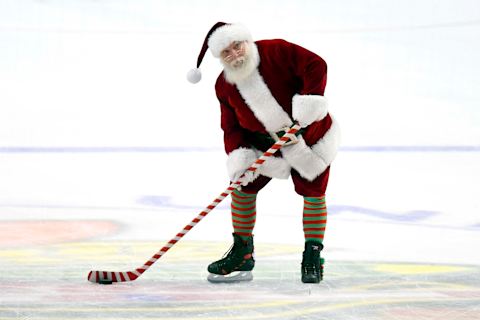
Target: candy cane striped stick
x=107 y=277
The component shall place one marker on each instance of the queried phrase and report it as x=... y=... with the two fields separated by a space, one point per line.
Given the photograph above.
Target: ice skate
x=237 y=264
x=312 y=264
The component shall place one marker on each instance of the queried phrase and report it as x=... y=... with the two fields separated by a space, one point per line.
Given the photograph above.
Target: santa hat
x=220 y=36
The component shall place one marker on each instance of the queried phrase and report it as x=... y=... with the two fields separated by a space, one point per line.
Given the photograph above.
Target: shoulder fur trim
x=225 y=35
x=260 y=100
x=307 y=109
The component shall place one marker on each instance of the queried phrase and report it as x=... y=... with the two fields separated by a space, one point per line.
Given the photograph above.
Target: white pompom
x=194 y=75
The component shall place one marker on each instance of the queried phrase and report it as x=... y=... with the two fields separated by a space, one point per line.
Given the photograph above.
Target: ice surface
x=106 y=152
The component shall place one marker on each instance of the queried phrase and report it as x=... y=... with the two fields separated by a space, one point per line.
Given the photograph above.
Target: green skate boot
x=312 y=264
x=237 y=263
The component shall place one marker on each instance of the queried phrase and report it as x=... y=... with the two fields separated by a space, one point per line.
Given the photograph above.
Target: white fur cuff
x=240 y=160
x=307 y=109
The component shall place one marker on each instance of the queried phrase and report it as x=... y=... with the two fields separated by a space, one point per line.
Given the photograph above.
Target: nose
x=231 y=55
x=234 y=53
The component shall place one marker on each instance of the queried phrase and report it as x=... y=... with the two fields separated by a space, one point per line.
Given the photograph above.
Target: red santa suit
x=286 y=85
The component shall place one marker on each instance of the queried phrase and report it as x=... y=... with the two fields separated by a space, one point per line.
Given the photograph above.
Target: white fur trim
x=311 y=162
x=239 y=160
x=304 y=160
x=261 y=101
x=307 y=109
x=327 y=147
x=274 y=167
x=222 y=37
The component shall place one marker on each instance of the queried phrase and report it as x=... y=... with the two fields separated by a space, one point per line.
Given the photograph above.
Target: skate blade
x=236 y=276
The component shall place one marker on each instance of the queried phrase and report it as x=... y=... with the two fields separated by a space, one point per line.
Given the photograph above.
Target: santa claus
x=264 y=88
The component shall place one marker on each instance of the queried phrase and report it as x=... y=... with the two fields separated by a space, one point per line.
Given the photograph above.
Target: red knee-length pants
x=303 y=187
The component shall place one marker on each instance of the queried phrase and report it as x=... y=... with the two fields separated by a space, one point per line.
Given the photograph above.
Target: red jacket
x=288 y=84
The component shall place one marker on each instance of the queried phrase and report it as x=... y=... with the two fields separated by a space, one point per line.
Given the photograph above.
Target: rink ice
x=107 y=152
x=402 y=255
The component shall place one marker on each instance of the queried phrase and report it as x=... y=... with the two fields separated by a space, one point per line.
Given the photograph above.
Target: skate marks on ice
x=49 y=282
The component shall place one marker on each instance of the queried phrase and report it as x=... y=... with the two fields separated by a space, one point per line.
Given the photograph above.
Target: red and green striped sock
x=243 y=213
x=314 y=218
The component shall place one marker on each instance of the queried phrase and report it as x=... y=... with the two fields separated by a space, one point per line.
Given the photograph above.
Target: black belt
x=265 y=140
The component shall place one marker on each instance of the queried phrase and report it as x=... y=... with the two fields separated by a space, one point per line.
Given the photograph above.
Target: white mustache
x=237 y=63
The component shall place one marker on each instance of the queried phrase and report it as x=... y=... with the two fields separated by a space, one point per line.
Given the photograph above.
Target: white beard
x=251 y=60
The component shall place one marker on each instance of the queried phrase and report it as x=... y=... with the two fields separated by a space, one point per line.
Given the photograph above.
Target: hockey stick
x=108 y=277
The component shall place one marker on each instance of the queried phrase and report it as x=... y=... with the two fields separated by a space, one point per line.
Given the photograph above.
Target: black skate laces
x=229 y=251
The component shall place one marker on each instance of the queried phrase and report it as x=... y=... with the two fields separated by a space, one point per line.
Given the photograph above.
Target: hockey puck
x=105 y=281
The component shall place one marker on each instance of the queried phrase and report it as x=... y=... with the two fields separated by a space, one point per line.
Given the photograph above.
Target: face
x=234 y=54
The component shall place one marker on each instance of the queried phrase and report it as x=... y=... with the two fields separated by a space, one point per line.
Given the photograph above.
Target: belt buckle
x=275 y=136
